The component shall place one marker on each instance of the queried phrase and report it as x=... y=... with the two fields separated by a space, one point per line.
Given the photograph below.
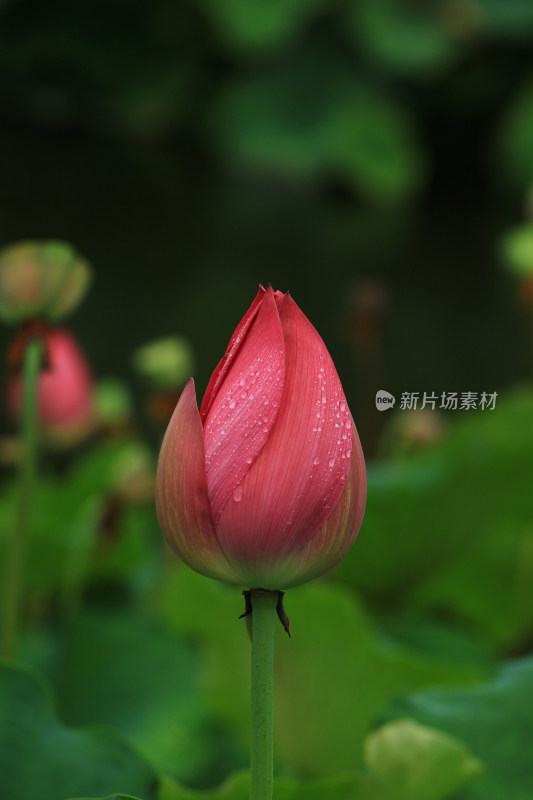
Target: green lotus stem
x=13 y=578
x=263 y=616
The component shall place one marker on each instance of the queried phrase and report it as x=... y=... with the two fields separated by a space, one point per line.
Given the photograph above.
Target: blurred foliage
x=47 y=760
x=315 y=118
x=165 y=363
x=462 y=538
x=495 y=720
x=301 y=88
x=408 y=635
x=517 y=250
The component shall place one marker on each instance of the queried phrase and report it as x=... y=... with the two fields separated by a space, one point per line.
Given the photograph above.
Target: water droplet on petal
x=232 y=404
x=316 y=460
x=249 y=460
x=332 y=462
x=343 y=406
x=237 y=494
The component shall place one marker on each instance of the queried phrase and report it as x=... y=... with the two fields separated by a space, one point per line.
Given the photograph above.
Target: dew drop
x=324 y=398
x=265 y=430
x=237 y=494
x=343 y=406
x=332 y=462
x=241 y=382
x=316 y=460
x=249 y=460
x=232 y=404
x=243 y=394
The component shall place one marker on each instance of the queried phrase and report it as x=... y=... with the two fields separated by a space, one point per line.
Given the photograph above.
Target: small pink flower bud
x=65 y=386
x=266 y=485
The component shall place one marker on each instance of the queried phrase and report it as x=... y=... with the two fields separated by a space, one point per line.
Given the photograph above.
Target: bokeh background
x=374 y=157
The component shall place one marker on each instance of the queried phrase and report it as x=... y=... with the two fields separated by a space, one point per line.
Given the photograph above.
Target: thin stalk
x=16 y=545
x=263 y=615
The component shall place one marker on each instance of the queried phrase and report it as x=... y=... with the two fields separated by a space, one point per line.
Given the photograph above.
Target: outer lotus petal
x=245 y=407
x=181 y=493
x=336 y=536
x=300 y=474
x=233 y=348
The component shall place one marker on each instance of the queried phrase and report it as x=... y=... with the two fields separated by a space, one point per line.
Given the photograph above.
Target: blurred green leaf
x=410 y=762
x=438 y=637
x=113 y=797
x=505 y=17
x=165 y=363
x=113 y=401
x=262 y=27
x=452 y=528
x=237 y=787
x=403 y=760
x=517 y=250
x=495 y=721
x=68 y=539
x=40 y=758
x=326 y=620
x=122 y=669
x=403 y=36
x=348 y=688
x=341 y=127
x=517 y=135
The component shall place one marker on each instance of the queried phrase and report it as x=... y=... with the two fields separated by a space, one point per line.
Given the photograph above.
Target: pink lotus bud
x=64 y=387
x=266 y=485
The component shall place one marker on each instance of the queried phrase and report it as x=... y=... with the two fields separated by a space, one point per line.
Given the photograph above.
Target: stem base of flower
x=280 y=610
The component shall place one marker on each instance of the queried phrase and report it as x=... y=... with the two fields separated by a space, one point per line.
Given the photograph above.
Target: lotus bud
x=41 y=279
x=64 y=391
x=265 y=486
